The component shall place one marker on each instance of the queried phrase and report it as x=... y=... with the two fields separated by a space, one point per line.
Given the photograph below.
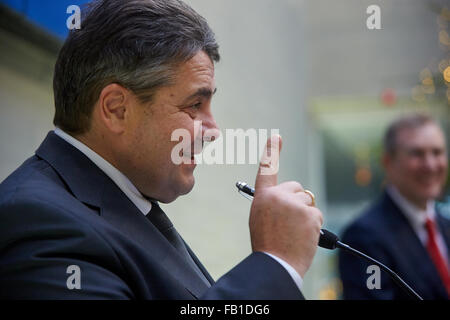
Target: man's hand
x=282 y=220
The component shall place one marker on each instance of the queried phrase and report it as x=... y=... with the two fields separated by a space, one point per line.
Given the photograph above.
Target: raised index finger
x=268 y=167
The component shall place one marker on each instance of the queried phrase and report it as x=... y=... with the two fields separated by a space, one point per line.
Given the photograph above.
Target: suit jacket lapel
x=200 y=265
x=411 y=249
x=91 y=186
x=119 y=211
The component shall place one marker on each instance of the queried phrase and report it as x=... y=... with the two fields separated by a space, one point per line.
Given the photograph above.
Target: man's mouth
x=187 y=155
x=430 y=180
x=190 y=153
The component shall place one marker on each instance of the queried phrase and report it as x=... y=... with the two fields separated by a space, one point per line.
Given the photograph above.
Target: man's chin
x=178 y=189
x=427 y=194
x=187 y=186
x=432 y=194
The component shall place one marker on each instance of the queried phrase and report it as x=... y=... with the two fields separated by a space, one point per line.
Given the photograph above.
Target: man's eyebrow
x=202 y=92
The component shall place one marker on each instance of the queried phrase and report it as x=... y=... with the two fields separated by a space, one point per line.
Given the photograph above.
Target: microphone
x=329 y=240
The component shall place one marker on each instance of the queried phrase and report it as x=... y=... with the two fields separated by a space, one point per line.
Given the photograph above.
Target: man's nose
x=210 y=129
x=431 y=161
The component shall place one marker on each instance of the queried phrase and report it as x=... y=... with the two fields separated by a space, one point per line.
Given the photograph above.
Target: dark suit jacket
x=384 y=234
x=59 y=209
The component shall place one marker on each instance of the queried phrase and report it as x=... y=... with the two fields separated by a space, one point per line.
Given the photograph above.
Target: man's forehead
x=193 y=77
x=196 y=74
x=199 y=65
x=429 y=135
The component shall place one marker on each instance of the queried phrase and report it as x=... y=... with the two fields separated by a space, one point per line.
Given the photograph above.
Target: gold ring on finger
x=313 y=198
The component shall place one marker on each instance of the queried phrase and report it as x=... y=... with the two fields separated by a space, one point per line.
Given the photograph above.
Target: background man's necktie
x=162 y=222
x=439 y=261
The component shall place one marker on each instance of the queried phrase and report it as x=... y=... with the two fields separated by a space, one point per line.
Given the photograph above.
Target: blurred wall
x=26 y=98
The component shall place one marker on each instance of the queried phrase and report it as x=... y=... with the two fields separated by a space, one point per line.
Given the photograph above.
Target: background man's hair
x=408 y=122
x=134 y=43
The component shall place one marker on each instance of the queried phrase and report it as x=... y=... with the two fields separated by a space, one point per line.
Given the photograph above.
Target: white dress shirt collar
x=416 y=216
x=124 y=184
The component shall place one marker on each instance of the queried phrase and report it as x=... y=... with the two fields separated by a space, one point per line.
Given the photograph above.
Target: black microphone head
x=328 y=239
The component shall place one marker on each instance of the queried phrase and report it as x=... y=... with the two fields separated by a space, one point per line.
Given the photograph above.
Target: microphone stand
x=329 y=240
x=399 y=281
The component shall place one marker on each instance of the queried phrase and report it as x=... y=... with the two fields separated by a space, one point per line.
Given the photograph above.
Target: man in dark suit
x=81 y=220
x=403 y=229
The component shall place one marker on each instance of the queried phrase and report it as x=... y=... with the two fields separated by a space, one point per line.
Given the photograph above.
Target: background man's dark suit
x=59 y=209
x=384 y=233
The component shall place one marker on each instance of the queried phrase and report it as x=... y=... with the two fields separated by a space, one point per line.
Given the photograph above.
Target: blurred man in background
x=403 y=229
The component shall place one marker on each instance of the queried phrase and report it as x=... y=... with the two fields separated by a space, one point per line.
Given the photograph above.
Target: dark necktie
x=436 y=256
x=162 y=222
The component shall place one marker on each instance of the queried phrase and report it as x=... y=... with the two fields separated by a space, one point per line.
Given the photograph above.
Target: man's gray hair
x=134 y=43
x=408 y=122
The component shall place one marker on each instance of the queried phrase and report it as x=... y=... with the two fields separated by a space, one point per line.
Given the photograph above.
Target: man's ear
x=386 y=160
x=113 y=107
